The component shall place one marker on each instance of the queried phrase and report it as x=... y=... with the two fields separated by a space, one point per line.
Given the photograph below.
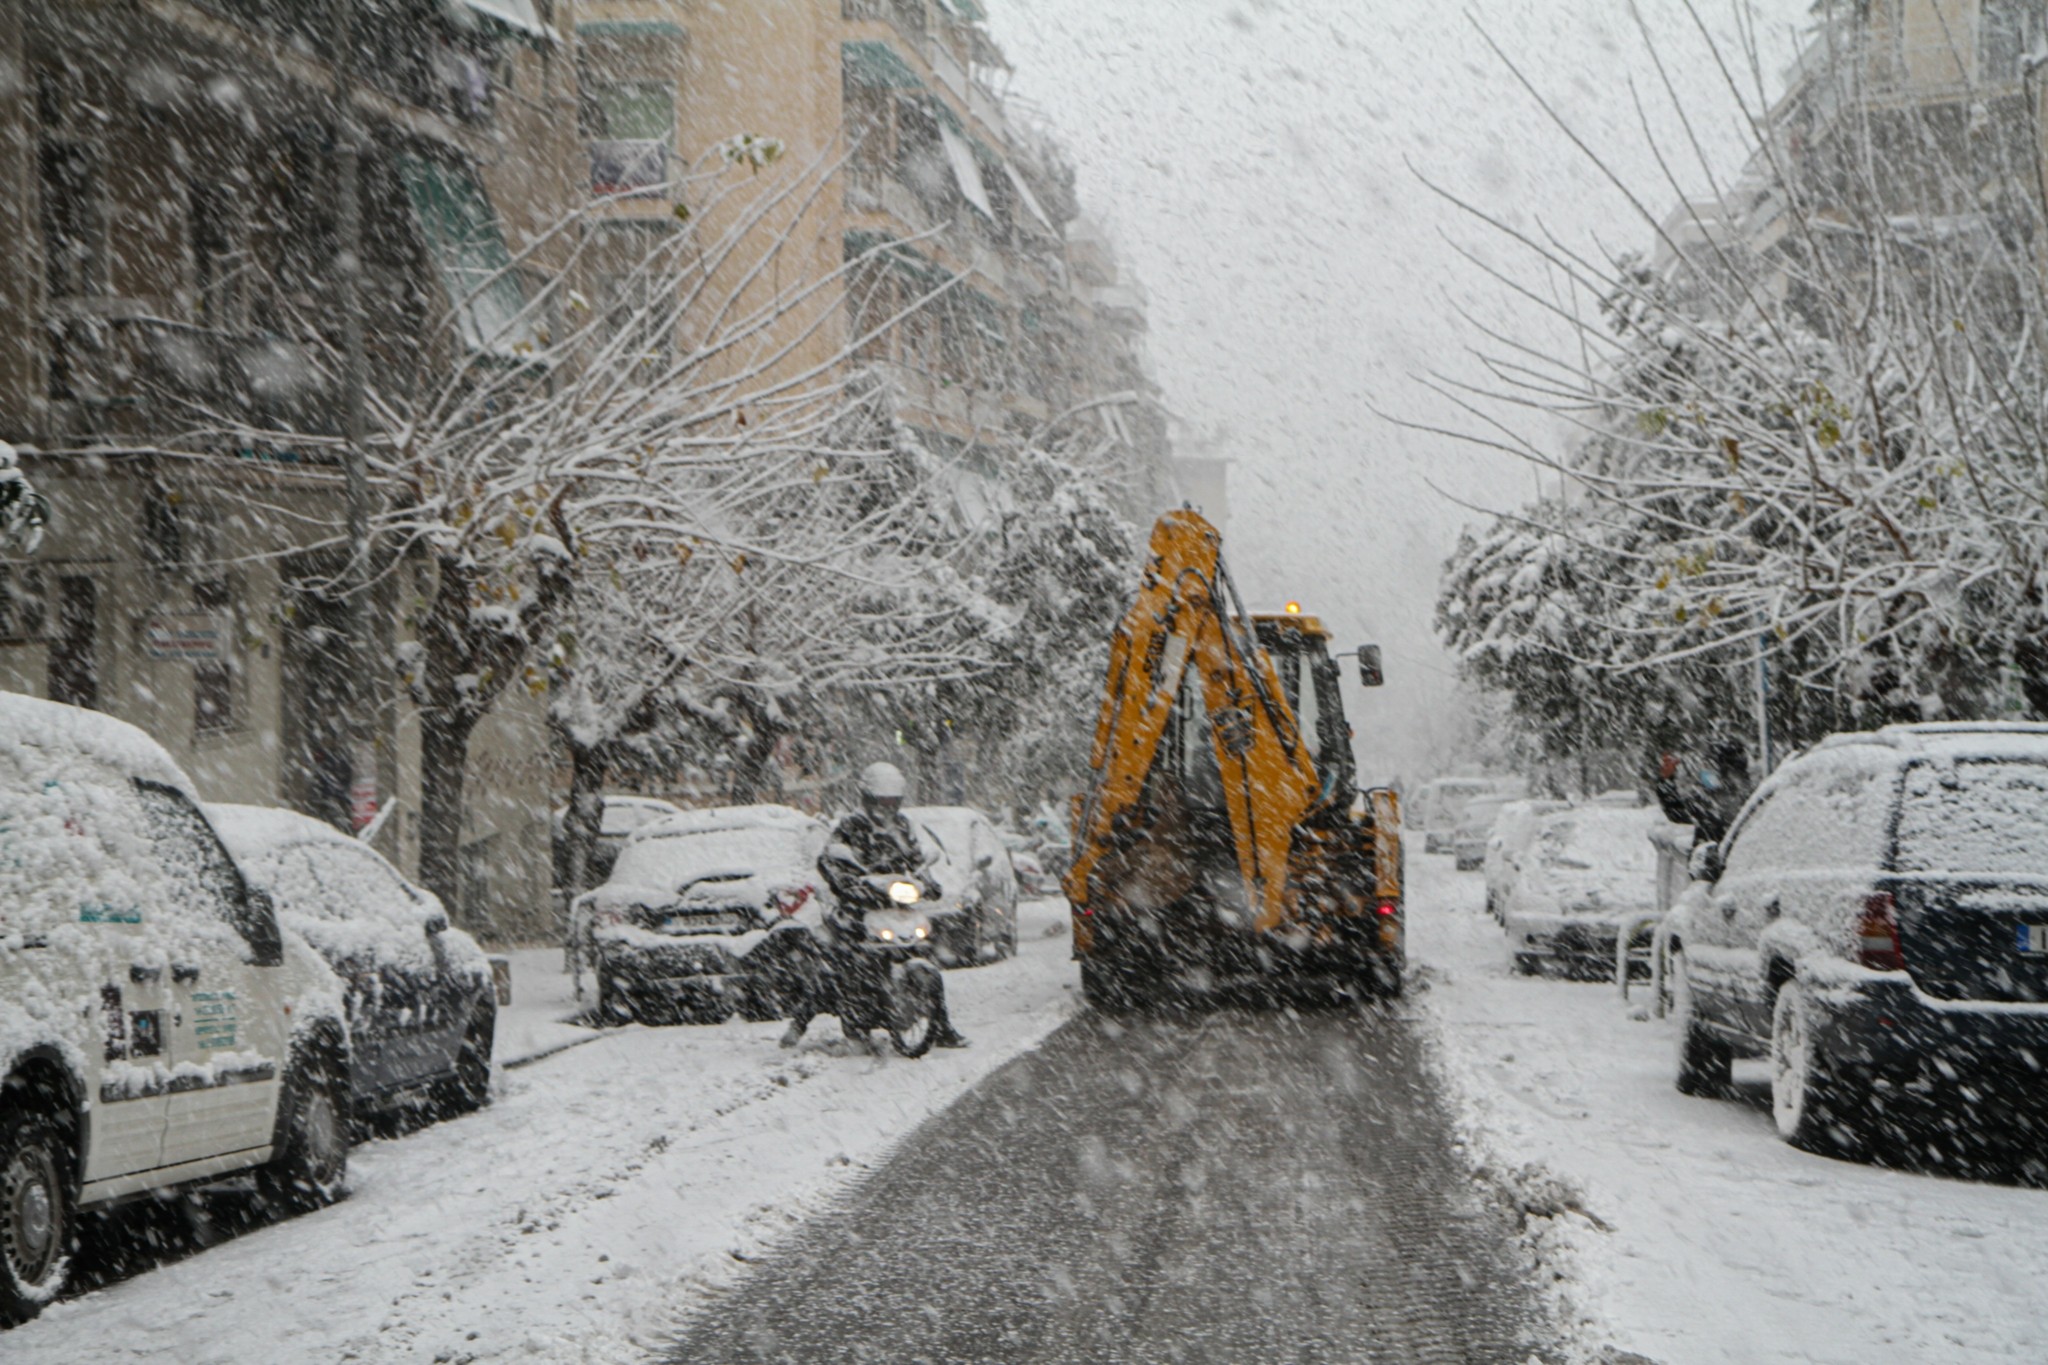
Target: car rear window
x=1986 y=815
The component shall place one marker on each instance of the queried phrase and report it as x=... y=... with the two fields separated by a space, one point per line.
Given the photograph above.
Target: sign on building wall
x=192 y=636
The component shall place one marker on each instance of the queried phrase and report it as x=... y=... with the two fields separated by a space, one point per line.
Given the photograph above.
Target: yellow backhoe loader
x=1222 y=841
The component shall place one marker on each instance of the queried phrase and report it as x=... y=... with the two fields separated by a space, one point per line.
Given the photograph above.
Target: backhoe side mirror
x=1369 y=673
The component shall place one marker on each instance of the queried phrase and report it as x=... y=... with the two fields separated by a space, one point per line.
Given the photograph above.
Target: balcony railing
x=627 y=165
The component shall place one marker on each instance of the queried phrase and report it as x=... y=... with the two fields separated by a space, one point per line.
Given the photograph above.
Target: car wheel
x=1809 y=1101
x=614 y=1006
x=469 y=1089
x=1704 y=1061
x=308 y=1171
x=36 y=1205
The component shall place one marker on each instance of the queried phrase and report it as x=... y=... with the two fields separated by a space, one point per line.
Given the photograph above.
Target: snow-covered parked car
x=1475 y=827
x=976 y=916
x=422 y=1010
x=673 y=934
x=158 y=1027
x=1441 y=803
x=1876 y=924
x=1513 y=829
x=1588 y=872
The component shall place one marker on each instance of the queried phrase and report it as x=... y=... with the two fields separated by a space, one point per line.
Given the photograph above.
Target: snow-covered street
x=615 y=1183
x=1715 y=1242
x=607 y=1188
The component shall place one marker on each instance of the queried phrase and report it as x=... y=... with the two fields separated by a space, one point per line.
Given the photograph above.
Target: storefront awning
x=1024 y=194
x=462 y=236
x=518 y=16
x=877 y=66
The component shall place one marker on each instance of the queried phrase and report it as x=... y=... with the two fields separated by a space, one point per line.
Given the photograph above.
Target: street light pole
x=359 y=662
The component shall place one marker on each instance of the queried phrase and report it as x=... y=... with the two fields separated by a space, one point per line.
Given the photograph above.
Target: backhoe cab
x=1222 y=840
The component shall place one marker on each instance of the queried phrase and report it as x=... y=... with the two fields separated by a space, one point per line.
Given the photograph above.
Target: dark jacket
x=862 y=845
x=1708 y=812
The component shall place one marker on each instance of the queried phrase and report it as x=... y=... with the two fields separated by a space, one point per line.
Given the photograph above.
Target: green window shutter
x=638 y=111
x=462 y=236
x=877 y=66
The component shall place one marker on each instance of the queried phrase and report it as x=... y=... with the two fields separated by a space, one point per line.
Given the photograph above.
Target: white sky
x=1250 y=159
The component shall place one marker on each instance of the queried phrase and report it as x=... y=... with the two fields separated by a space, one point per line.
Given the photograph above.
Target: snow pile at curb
x=1547 y=1212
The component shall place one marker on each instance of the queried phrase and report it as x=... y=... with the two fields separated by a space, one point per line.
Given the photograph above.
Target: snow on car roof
x=1615 y=835
x=725 y=817
x=250 y=831
x=1951 y=738
x=30 y=722
x=945 y=817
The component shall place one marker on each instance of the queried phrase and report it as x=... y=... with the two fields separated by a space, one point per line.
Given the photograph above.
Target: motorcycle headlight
x=904 y=893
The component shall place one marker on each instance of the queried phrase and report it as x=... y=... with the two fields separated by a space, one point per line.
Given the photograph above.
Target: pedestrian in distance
x=1710 y=801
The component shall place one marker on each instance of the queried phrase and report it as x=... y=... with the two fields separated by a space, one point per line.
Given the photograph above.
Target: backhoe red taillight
x=1387 y=907
x=1877 y=934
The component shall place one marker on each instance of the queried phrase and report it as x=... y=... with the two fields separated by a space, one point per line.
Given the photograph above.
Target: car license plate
x=2033 y=938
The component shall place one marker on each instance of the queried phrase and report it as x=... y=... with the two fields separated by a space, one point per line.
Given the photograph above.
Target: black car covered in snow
x=422 y=1009
x=1875 y=924
x=681 y=932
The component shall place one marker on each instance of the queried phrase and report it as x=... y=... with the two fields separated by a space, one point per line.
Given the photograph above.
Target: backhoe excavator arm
x=1178 y=622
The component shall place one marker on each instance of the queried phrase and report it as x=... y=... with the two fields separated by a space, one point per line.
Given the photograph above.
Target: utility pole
x=1763 y=709
x=360 y=661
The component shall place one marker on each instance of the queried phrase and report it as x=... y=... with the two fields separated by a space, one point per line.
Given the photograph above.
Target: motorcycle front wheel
x=915 y=990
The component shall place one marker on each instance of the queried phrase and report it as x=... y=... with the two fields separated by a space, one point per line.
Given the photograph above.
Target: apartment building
x=169 y=334
x=937 y=181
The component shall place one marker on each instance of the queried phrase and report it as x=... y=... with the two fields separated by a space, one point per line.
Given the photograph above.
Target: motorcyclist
x=874 y=839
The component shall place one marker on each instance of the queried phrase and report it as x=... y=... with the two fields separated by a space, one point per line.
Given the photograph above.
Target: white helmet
x=882 y=782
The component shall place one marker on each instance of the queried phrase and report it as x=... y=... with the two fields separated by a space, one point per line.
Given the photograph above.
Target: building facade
x=169 y=368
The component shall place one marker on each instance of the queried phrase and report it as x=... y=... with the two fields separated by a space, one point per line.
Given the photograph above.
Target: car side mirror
x=1369 y=671
x=1706 y=863
x=435 y=922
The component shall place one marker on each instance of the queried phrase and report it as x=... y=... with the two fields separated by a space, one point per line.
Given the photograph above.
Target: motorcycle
x=882 y=972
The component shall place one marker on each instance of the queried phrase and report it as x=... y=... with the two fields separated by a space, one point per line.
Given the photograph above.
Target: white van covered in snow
x=157 y=1028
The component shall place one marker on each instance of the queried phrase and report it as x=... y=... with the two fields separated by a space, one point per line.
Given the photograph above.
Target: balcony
x=988 y=111
x=948 y=69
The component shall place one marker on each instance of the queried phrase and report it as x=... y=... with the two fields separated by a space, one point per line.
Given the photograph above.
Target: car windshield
x=669 y=860
x=1975 y=816
x=623 y=816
